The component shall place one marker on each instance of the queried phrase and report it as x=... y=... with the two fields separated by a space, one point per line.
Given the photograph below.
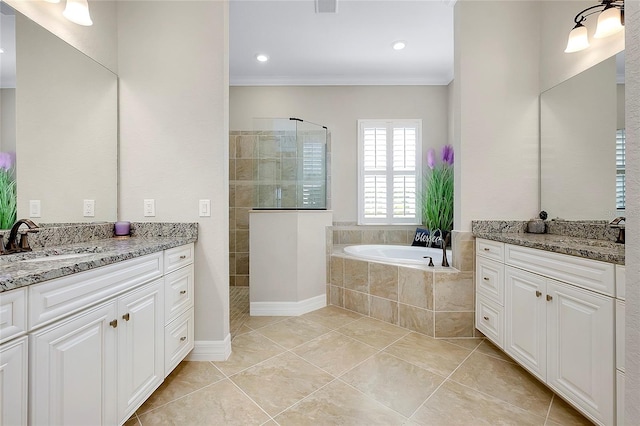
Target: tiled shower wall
x=256 y=157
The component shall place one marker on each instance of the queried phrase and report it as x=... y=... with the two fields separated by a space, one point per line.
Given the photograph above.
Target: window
x=389 y=171
x=620 y=167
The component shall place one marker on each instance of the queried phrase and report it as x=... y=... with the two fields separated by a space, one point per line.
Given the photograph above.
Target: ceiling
x=350 y=47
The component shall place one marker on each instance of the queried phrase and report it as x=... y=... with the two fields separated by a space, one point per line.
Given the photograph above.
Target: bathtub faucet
x=443 y=242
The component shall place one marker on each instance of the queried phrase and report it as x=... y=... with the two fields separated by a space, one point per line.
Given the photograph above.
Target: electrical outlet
x=149 y=207
x=89 y=208
x=205 y=208
x=34 y=208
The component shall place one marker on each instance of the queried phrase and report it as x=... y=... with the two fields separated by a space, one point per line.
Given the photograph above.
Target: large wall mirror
x=582 y=144
x=64 y=107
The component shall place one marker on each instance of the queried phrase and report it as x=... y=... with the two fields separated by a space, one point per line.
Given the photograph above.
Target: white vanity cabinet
x=559 y=323
x=96 y=340
x=13 y=357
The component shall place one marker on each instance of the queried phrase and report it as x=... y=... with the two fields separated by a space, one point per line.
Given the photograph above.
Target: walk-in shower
x=291 y=164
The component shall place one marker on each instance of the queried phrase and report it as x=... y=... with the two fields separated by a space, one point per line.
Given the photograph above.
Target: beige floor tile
x=242 y=330
x=293 y=332
x=133 y=421
x=334 y=352
x=339 y=404
x=564 y=414
x=332 y=316
x=488 y=348
x=247 y=350
x=187 y=377
x=280 y=382
x=218 y=404
x=504 y=380
x=393 y=382
x=436 y=356
x=471 y=343
x=454 y=404
x=373 y=332
x=256 y=323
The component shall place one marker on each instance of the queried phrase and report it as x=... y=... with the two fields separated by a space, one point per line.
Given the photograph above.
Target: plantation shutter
x=390 y=169
x=313 y=178
x=620 y=169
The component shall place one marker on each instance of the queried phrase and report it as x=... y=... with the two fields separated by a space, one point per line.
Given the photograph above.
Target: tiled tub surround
x=437 y=302
x=592 y=240
x=99 y=247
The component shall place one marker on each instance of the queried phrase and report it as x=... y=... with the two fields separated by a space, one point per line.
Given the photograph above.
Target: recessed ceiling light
x=262 y=57
x=399 y=45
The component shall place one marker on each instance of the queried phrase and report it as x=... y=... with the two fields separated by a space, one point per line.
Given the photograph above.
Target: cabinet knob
x=486 y=318
x=486 y=279
x=549 y=298
x=183 y=257
x=114 y=323
x=487 y=249
x=183 y=338
x=126 y=316
x=183 y=291
x=538 y=293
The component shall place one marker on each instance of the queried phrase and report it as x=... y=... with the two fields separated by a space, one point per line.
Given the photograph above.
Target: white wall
x=339 y=108
x=173 y=68
x=97 y=41
x=496 y=114
x=556 y=23
x=632 y=69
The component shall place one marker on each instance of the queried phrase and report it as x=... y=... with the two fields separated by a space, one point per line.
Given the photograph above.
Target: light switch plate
x=149 y=207
x=205 y=208
x=89 y=208
x=34 y=208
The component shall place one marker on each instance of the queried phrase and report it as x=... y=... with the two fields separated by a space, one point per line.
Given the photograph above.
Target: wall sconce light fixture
x=77 y=11
x=610 y=21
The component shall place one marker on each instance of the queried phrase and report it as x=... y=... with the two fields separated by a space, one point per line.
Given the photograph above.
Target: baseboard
x=211 y=350
x=287 y=309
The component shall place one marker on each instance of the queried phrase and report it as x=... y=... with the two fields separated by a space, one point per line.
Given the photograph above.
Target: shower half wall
x=279 y=164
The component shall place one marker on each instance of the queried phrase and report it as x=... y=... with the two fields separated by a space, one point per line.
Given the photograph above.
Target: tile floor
x=334 y=366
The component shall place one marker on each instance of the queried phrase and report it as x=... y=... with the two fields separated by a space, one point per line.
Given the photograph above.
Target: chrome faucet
x=615 y=223
x=13 y=246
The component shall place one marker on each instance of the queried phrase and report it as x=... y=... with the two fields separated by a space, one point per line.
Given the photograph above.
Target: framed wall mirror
x=582 y=151
x=65 y=137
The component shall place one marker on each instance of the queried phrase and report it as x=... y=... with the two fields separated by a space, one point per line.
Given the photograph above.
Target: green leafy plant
x=8 y=201
x=437 y=194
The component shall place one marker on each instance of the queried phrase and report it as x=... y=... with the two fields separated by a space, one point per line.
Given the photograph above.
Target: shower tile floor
x=334 y=366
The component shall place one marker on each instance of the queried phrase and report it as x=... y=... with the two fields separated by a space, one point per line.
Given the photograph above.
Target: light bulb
x=578 y=39
x=609 y=23
x=77 y=11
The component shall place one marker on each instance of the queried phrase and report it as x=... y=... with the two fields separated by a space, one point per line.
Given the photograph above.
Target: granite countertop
x=605 y=251
x=15 y=272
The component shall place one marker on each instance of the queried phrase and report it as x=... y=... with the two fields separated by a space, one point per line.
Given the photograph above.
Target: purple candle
x=122 y=228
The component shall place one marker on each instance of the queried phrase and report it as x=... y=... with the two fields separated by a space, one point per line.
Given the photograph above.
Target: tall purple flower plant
x=437 y=197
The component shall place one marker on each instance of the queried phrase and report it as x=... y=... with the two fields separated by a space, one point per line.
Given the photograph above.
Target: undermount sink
x=56 y=257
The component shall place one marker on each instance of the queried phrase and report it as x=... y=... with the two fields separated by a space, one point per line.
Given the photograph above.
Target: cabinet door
x=581 y=363
x=525 y=334
x=140 y=346
x=72 y=369
x=13 y=382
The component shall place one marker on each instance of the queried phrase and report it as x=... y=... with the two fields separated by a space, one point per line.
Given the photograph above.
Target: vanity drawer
x=51 y=300
x=178 y=292
x=490 y=249
x=588 y=274
x=490 y=320
x=13 y=313
x=178 y=340
x=178 y=257
x=490 y=279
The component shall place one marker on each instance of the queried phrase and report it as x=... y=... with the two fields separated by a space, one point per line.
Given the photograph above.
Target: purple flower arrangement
x=437 y=196
x=8 y=201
